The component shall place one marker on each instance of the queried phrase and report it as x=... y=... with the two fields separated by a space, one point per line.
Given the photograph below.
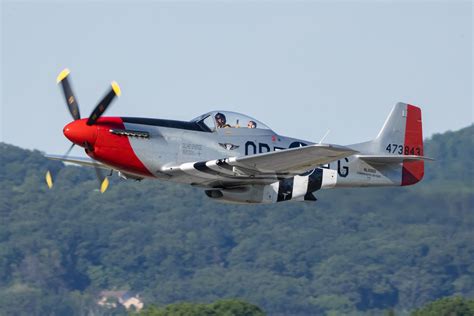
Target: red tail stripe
x=413 y=171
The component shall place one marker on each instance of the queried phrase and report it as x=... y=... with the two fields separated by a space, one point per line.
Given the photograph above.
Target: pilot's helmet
x=252 y=124
x=220 y=116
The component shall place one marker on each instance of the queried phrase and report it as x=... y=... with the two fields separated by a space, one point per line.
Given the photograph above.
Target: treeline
x=449 y=306
x=218 y=308
x=361 y=251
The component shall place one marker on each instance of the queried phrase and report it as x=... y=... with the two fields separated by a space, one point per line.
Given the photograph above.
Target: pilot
x=252 y=124
x=221 y=120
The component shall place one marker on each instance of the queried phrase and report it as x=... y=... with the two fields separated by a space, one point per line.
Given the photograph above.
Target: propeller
x=104 y=181
x=104 y=103
x=71 y=100
x=73 y=106
x=68 y=151
x=49 y=177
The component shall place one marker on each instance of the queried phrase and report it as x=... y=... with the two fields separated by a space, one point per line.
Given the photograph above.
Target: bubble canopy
x=227 y=119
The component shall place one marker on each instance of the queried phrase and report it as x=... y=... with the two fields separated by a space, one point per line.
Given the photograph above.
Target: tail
x=398 y=148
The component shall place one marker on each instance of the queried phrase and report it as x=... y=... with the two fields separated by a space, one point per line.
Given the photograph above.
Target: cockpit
x=225 y=119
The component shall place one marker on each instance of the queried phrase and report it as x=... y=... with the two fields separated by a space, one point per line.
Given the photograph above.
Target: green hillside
x=358 y=251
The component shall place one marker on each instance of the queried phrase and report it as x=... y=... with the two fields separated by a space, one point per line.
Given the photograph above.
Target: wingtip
x=63 y=74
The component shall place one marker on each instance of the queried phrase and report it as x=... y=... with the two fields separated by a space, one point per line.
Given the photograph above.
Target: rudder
x=413 y=171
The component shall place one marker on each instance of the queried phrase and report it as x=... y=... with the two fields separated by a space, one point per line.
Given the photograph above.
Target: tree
x=449 y=306
x=227 y=307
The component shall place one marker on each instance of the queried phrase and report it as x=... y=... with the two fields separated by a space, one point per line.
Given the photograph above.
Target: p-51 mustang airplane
x=238 y=159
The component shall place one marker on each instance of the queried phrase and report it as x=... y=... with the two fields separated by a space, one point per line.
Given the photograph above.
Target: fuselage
x=144 y=147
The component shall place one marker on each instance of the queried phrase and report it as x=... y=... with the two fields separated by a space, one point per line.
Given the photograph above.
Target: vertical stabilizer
x=401 y=134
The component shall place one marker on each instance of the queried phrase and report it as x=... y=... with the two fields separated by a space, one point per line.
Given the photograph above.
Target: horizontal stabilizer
x=392 y=158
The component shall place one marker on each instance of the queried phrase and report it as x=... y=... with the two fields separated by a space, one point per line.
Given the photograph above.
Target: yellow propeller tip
x=63 y=74
x=116 y=88
x=49 y=179
x=104 y=185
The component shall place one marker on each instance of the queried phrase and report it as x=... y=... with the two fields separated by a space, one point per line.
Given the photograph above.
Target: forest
x=353 y=252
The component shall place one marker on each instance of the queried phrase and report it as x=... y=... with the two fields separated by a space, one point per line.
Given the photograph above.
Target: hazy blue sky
x=301 y=68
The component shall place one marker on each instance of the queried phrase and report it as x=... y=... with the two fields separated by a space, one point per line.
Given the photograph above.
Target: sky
x=301 y=67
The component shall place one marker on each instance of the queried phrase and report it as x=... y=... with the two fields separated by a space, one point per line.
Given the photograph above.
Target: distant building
x=109 y=299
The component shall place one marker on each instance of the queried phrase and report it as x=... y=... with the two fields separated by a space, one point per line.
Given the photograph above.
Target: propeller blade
x=68 y=151
x=68 y=94
x=104 y=185
x=103 y=180
x=104 y=103
x=49 y=180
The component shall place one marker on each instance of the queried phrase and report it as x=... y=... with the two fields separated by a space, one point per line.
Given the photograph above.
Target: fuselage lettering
x=263 y=148
x=253 y=151
x=344 y=170
x=251 y=147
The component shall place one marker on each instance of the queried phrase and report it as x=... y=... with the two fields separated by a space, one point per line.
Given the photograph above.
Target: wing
x=262 y=168
x=83 y=161
x=291 y=161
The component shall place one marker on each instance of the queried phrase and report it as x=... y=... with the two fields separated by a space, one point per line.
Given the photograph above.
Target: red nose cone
x=80 y=133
